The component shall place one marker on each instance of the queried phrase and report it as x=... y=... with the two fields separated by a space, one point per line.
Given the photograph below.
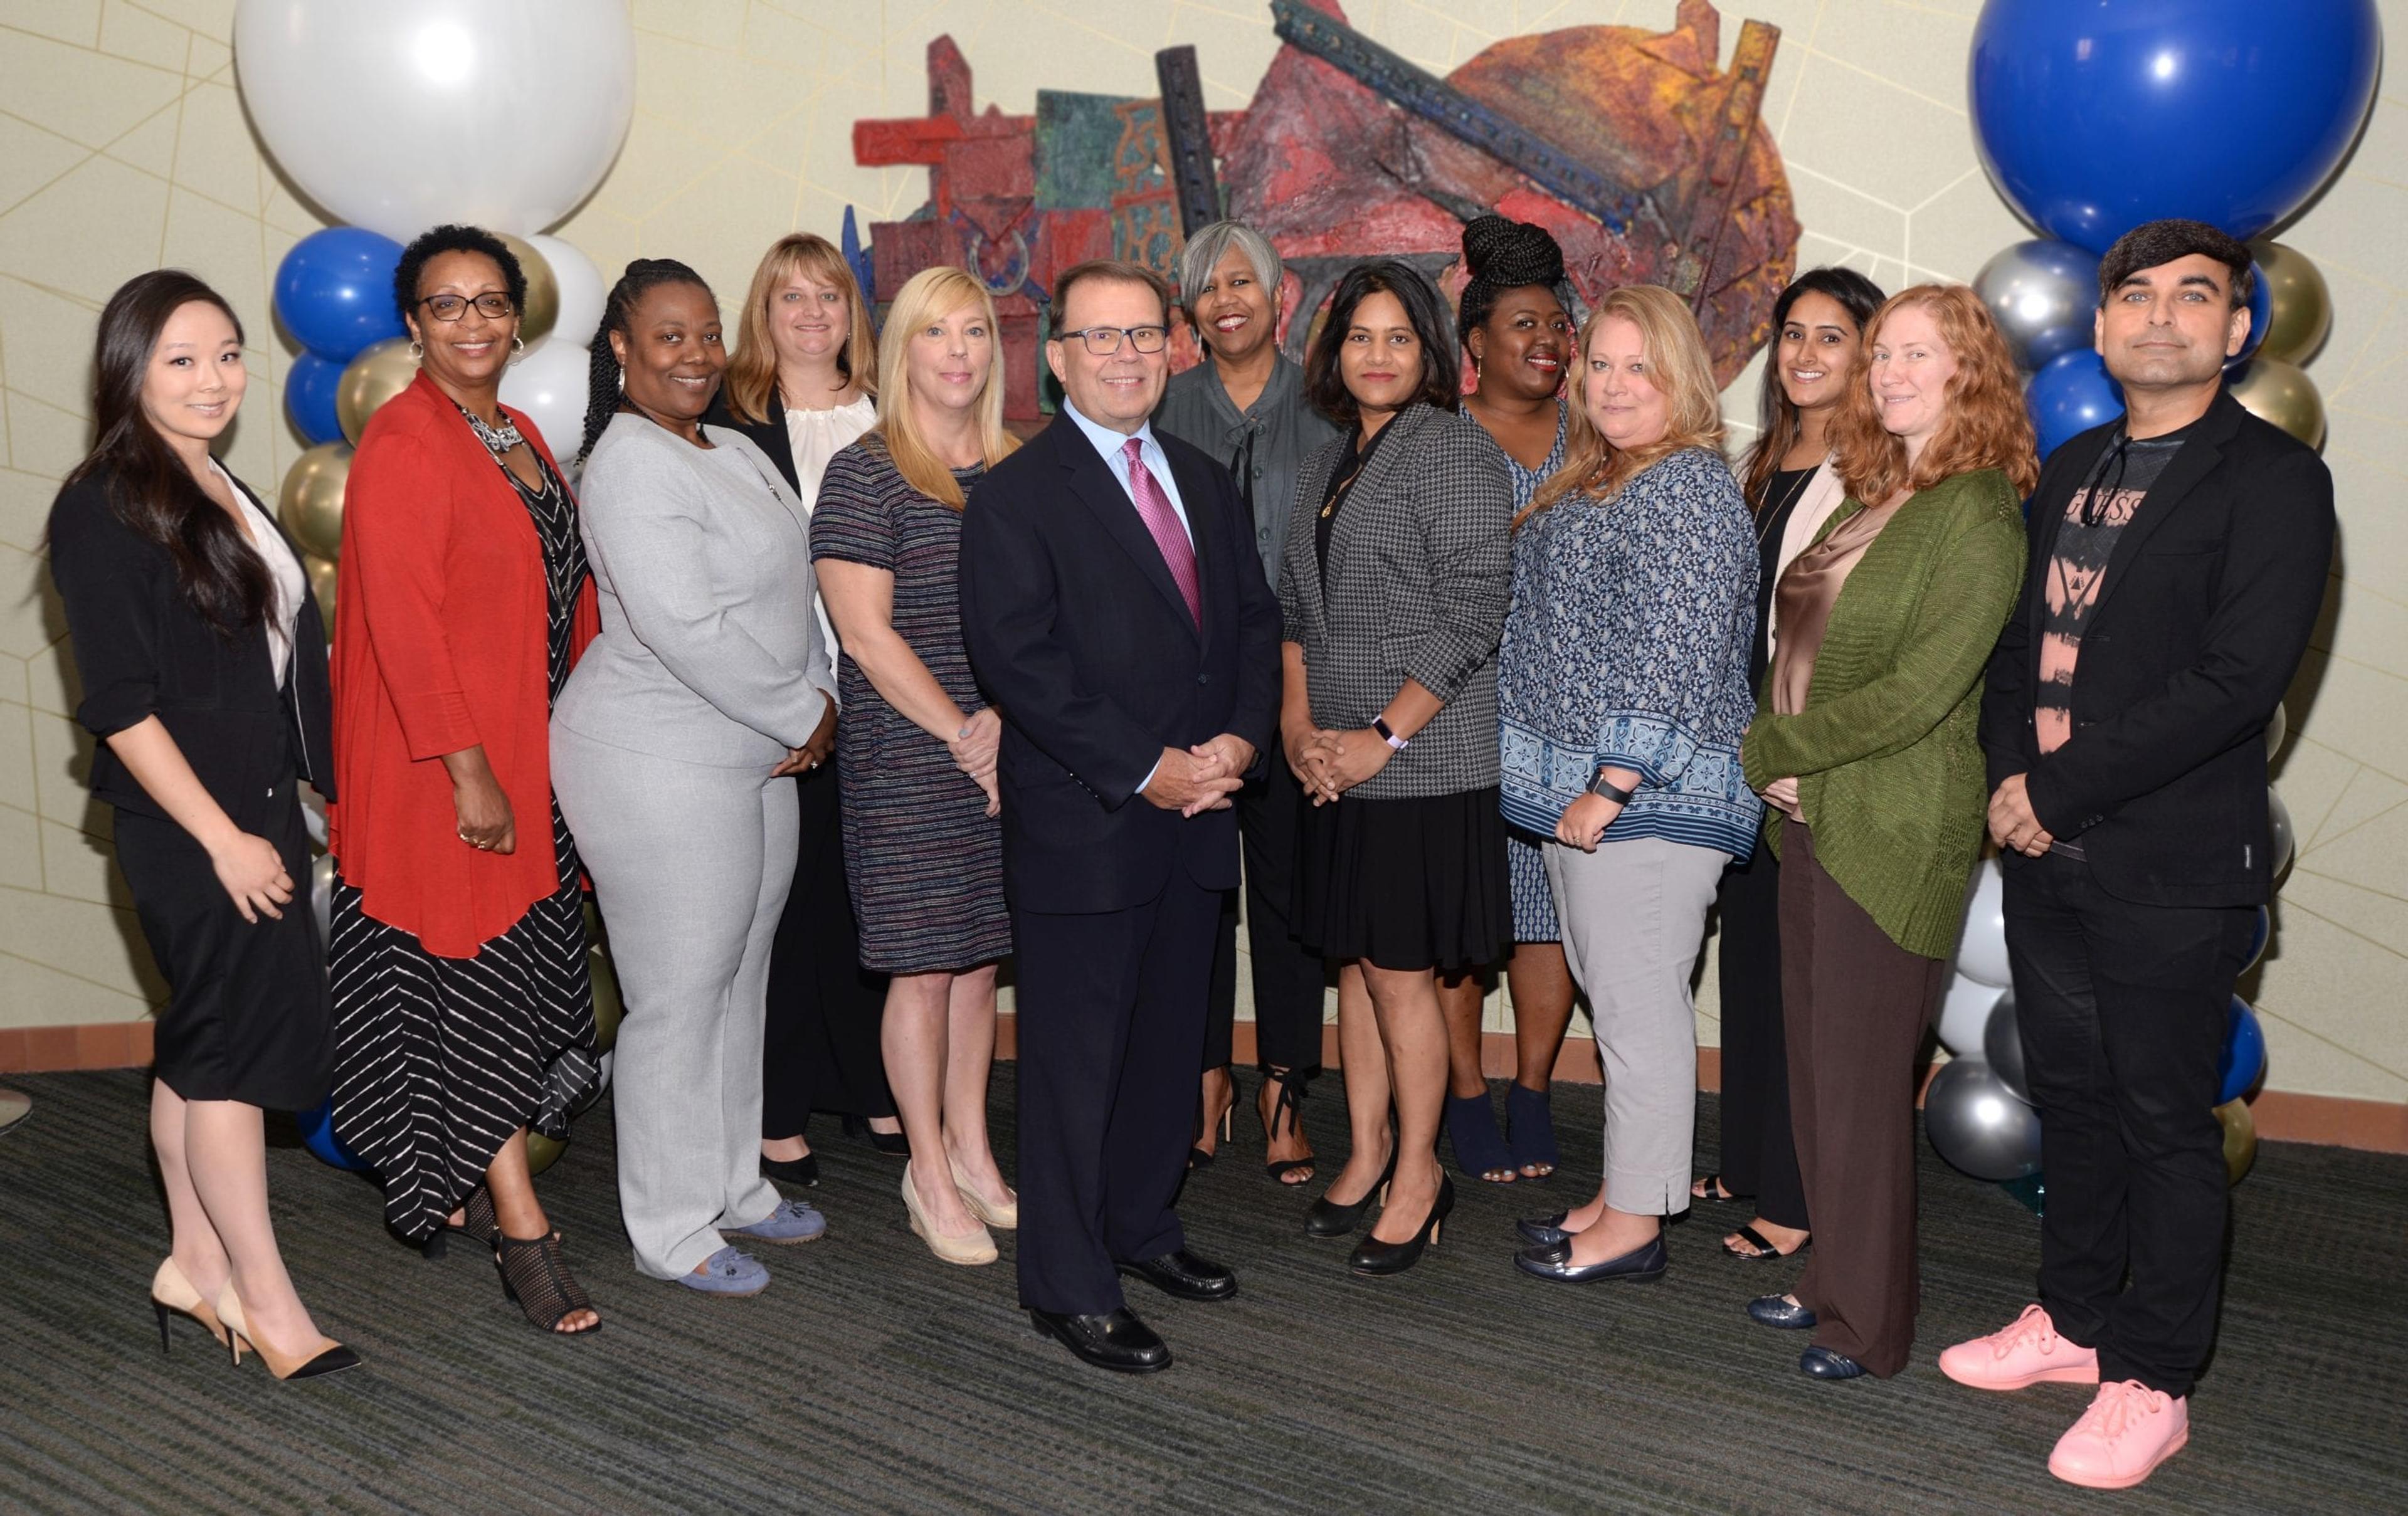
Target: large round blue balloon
x=310 y=388
x=2093 y=116
x=334 y=292
x=2244 y=1062
x=2261 y=310
x=2260 y=934
x=318 y=1134
x=2071 y=394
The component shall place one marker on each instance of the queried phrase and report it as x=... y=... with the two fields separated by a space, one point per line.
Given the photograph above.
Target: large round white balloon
x=582 y=292
x=1965 y=1015
x=1982 y=952
x=548 y=384
x=396 y=117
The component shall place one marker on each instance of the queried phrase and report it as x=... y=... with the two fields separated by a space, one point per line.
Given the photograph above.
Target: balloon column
x=503 y=114
x=2092 y=120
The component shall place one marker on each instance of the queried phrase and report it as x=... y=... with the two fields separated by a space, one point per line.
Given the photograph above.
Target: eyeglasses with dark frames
x=1103 y=341
x=493 y=304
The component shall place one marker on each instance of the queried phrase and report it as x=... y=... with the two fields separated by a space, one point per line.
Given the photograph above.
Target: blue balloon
x=2071 y=394
x=2092 y=116
x=2260 y=935
x=310 y=388
x=334 y=292
x=2261 y=310
x=317 y=1126
x=2244 y=1062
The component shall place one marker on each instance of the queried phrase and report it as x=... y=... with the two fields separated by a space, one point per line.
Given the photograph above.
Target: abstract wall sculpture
x=1646 y=161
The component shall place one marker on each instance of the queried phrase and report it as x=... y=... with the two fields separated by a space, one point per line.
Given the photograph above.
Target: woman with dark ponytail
x=202 y=664
x=708 y=687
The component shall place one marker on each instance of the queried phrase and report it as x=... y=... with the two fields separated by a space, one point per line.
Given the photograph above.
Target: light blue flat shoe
x=728 y=1273
x=793 y=1222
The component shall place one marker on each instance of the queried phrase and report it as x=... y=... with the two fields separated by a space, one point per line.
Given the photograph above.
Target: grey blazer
x=1420 y=572
x=710 y=649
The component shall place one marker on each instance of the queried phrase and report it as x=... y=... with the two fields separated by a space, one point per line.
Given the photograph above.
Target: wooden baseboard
x=2281 y=1115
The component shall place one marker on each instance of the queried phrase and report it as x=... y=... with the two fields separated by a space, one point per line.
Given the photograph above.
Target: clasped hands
x=1192 y=781
x=2014 y=826
x=1330 y=763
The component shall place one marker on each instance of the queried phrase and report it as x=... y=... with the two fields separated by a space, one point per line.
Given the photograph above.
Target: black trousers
x=1759 y=1149
x=820 y=1049
x=1289 y=978
x=2123 y=1009
x=1111 y=1035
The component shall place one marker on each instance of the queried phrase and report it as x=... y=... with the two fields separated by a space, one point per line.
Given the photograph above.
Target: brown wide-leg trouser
x=1854 y=1005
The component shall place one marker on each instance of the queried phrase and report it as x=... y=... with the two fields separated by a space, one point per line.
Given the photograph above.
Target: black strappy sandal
x=1764 y=1252
x=1293 y=1089
x=477 y=1219
x=536 y=1278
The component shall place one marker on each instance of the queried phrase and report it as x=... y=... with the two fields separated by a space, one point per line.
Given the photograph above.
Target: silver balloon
x=2277 y=729
x=2042 y=295
x=2278 y=816
x=1976 y=1122
x=322 y=895
x=2003 y=1047
x=1964 y=1016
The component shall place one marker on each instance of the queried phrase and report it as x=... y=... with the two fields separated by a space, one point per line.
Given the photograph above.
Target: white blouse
x=284 y=572
x=815 y=436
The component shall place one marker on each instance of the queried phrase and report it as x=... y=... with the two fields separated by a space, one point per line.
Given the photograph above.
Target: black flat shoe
x=1554 y=1263
x=1543 y=1231
x=1375 y=1259
x=1823 y=1364
x=1118 y=1341
x=1758 y=1250
x=804 y=1171
x=1182 y=1276
x=893 y=1144
x=1781 y=1311
x=1329 y=1219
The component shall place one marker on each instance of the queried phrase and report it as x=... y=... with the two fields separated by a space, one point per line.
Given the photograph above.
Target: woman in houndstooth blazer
x=1393 y=592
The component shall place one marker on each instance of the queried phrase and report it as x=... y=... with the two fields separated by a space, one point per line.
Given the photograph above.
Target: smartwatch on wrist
x=1611 y=790
x=1388 y=734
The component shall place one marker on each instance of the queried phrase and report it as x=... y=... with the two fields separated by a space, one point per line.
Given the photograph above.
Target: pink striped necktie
x=1162 y=519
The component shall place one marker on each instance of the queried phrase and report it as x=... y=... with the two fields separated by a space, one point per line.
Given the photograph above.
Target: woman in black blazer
x=202 y=664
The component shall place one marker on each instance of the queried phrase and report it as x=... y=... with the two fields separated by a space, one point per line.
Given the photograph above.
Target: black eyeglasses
x=1103 y=341
x=450 y=308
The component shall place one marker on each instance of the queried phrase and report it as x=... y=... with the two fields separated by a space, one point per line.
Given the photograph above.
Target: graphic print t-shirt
x=2085 y=543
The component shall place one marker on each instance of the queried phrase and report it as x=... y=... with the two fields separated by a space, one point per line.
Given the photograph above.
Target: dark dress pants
x=1289 y=978
x=2122 y=1010
x=1111 y=1021
x=820 y=1048
x=1759 y=1152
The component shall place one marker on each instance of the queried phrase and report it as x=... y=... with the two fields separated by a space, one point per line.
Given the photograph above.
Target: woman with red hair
x=1863 y=743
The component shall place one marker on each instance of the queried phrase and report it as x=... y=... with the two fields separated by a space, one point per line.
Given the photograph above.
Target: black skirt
x=1406 y=884
x=247 y=1016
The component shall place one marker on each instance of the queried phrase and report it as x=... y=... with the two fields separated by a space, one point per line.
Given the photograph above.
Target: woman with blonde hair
x=916 y=748
x=1864 y=741
x=801 y=384
x=1622 y=697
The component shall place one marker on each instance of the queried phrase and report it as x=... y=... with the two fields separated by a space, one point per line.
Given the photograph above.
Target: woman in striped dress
x=916 y=746
x=463 y=1014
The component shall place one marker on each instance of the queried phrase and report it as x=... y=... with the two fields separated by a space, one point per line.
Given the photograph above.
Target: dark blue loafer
x=1556 y=1263
x=1543 y=1231
x=1779 y=1310
x=1823 y=1364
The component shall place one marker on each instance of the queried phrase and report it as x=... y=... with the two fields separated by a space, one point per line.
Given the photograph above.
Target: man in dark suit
x=1117 y=616
x=2178 y=562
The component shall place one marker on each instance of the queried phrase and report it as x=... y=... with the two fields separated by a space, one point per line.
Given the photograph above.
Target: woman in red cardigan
x=463 y=1013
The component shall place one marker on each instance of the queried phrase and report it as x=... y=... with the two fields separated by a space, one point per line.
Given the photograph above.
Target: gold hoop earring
x=417 y=352
x=518 y=347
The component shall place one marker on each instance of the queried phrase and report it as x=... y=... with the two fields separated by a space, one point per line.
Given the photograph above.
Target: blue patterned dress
x=1526 y=867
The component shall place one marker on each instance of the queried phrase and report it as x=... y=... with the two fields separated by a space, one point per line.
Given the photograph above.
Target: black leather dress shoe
x=1182 y=1276
x=1637 y=1265
x=1823 y=1364
x=1118 y=1341
x=1779 y=1310
x=1543 y=1231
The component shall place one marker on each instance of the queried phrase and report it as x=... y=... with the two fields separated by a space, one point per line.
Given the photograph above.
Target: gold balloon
x=310 y=505
x=2240 y=1139
x=2300 y=312
x=2274 y=391
x=543 y=308
x=382 y=371
x=322 y=586
x=543 y=1151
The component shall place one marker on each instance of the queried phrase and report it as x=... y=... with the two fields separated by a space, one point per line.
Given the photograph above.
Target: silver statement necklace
x=498 y=440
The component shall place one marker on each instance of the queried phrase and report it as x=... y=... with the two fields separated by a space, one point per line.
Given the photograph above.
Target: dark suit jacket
x=2200 y=622
x=141 y=650
x=771 y=436
x=1082 y=639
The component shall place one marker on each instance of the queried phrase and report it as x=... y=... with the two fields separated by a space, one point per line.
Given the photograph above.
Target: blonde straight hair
x=1676 y=357
x=928 y=296
x=753 y=368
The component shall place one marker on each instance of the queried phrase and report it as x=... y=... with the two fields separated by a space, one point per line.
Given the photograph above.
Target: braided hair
x=606 y=381
x=1500 y=254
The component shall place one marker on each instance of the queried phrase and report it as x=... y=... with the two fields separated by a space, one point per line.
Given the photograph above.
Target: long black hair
x=1776 y=418
x=148 y=484
x=1325 y=382
x=604 y=376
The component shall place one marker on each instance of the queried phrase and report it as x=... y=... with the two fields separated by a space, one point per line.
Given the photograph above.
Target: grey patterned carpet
x=872 y=1378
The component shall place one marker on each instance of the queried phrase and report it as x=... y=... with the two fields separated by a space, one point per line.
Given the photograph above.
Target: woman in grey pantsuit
x=709 y=684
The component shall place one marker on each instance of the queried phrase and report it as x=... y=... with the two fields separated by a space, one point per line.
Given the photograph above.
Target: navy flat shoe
x=1555 y=1264
x=1779 y=1311
x=1823 y=1364
x=1543 y=1231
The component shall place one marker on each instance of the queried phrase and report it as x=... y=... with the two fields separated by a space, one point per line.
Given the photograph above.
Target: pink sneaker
x=2129 y=1430
x=2026 y=1352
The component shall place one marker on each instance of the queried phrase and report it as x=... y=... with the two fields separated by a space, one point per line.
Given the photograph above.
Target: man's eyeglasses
x=493 y=305
x=1103 y=341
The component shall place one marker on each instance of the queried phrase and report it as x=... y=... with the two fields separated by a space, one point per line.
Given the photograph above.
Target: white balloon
x=1982 y=951
x=1965 y=1015
x=397 y=116
x=583 y=291
x=549 y=385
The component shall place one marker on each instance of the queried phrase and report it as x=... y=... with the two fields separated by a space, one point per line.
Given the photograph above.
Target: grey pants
x=1634 y=919
x=691 y=866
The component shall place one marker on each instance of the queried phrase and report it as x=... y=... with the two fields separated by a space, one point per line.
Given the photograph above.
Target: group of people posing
x=840 y=695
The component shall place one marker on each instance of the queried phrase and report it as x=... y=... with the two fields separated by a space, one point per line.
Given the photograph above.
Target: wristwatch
x=1388 y=734
x=1606 y=787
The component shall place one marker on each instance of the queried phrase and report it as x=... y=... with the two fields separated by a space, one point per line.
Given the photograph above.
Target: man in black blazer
x=2178 y=562
x=1116 y=615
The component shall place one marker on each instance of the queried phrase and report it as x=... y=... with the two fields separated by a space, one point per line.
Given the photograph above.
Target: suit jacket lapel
x=1092 y=481
x=2191 y=463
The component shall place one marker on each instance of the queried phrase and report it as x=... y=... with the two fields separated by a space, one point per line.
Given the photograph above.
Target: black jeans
x=2122 y=1010
x=1289 y=978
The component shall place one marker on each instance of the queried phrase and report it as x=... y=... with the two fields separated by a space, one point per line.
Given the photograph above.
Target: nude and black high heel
x=331 y=1356
x=172 y=1295
x=1376 y=1259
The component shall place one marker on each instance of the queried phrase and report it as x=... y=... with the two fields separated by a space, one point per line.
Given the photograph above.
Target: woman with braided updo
x=708 y=686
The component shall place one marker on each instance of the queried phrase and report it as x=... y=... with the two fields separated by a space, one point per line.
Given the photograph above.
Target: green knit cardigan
x=1889 y=770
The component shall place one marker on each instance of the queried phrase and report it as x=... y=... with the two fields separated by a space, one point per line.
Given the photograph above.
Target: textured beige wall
x=123 y=146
